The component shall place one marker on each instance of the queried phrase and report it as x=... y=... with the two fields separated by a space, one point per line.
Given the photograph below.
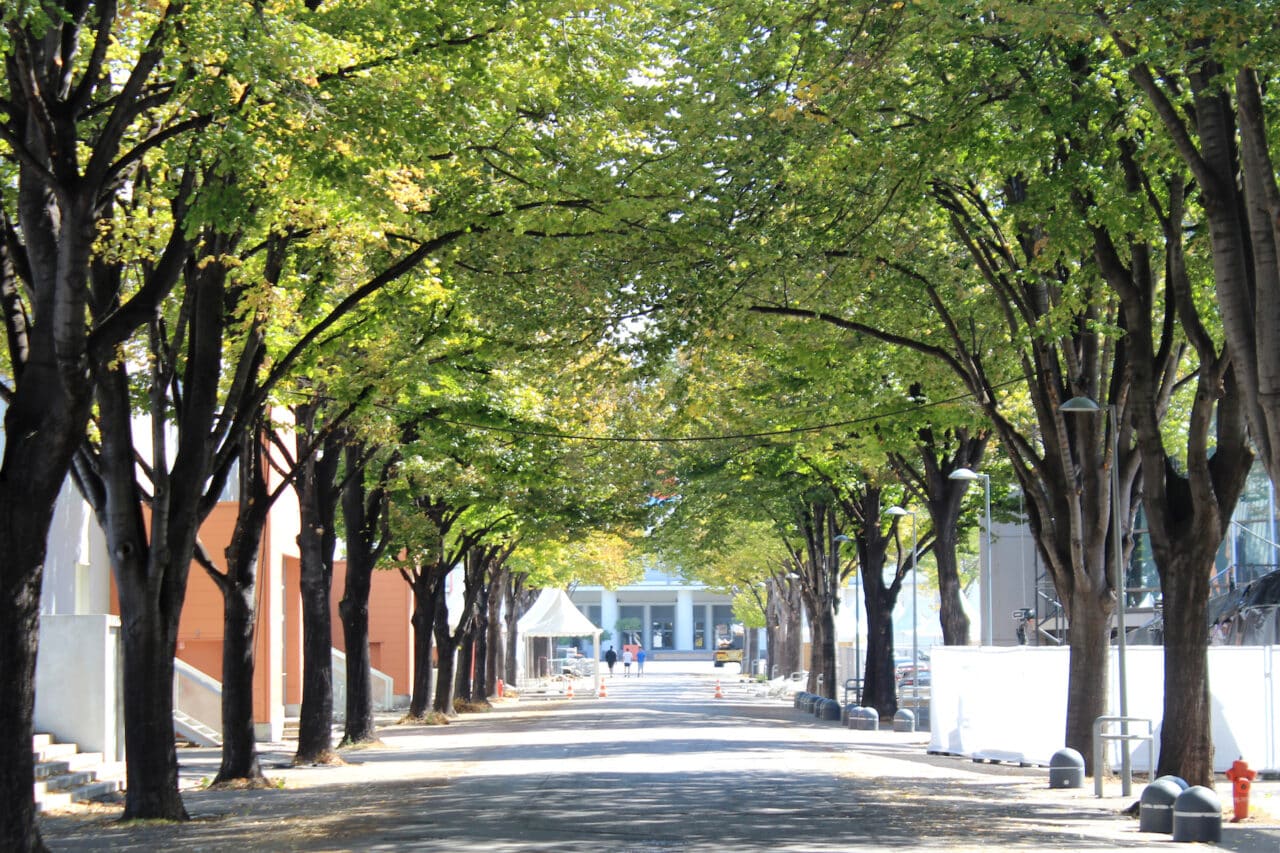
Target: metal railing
x=197 y=695
x=1124 y=736
x=381 y=686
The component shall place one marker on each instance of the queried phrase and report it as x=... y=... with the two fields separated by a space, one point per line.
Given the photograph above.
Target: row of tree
x=1020 y=204
x=448 y=239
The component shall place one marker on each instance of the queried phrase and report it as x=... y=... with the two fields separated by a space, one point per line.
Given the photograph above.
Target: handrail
x=1257 y=536
x=1126 y=779
x=197 y=694
x=381 y=685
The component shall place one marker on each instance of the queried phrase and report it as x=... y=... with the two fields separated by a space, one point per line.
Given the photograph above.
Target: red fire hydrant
x=500 y=687
x=1241 y=781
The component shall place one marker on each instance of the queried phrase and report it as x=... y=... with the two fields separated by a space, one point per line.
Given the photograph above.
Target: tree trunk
x=494 y=666
x=239 y=601
x=955 y=622
x=510 y=614
x=149 y=641
x=1087 y=671
x=789 y=625
x=364 y=512
x=424 y=610
x=315 y=721
x=811 y=607
x=462 y=679
x=354 y=612
x=446 y=657
x=317 y=538
x=239 y=753
x=480 y=632
x=21 y=573
x=1186 y=741
x=879 y=684
x=827 y=652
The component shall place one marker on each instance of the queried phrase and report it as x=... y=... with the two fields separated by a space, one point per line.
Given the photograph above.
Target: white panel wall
x=1010 y=704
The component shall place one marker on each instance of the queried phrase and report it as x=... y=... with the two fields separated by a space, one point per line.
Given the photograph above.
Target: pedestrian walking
x=627 y=657
x=610 y=658
x=639 y=661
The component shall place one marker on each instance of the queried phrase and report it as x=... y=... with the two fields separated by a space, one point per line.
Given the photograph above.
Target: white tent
x=554 y=615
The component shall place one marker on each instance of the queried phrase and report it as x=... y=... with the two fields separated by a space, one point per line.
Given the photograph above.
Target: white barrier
x=1010 y=703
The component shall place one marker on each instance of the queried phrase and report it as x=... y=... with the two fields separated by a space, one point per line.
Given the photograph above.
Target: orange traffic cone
x=719 y=692
x=568 y=693
x=603 y=693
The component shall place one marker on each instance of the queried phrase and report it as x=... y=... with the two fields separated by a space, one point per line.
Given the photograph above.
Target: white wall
x=1010 y=704
x=78 y=682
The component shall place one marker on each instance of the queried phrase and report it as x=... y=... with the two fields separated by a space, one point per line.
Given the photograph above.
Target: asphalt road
x=658 y=765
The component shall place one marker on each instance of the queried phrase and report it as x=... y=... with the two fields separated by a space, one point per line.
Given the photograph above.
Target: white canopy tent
x=554 y=615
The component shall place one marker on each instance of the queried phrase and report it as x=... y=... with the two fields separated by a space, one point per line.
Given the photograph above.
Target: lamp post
x=857 y=628
x=915 y=605
x=988 y=623
x=1084 y=405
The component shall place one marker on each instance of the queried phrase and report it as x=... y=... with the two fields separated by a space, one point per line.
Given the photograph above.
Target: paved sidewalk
x=659 y=765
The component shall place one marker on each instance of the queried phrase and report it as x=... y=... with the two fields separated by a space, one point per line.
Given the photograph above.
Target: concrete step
x=72 y=763
x=55 y=751
x=65 y=781
x=64 y=775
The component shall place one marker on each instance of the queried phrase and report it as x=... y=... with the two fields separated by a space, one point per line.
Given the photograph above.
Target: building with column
x=670 y=616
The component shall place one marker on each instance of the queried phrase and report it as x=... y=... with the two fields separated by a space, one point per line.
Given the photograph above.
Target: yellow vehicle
x=729 y=644
x=724 y=656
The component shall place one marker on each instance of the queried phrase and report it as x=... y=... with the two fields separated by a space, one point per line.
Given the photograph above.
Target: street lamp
x=857 y=628
x=988 y=622
x=915 y=605
x=1084 y=405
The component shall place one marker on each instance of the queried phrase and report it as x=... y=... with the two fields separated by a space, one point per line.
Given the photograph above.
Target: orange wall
x=201 y=623
x=390 y=629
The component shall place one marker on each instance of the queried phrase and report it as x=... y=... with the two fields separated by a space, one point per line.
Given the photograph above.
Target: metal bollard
x=1066 y=769
x=1197 y=815
x=904 y=721
x=1155 y=808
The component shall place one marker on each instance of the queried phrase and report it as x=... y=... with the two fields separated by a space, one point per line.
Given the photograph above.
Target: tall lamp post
x=915 y=605
x=988 y=623
x=1084 y=405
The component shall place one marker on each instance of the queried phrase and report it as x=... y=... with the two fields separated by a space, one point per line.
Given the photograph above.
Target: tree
x=1203 y=73
x=73 y=134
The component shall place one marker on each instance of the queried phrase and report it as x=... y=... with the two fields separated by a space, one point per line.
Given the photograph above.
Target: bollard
x=1241 y=781
x=868 y=720
x=1197 y=815
x=846 y=714
x=1066 y=769
x=795 y=700
x=1177 y=780
x=1155 y=809
x=818 y=702
x=904 y=721
x=830 y=710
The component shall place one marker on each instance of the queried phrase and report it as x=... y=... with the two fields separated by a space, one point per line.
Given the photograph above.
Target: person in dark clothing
x=611 y=657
